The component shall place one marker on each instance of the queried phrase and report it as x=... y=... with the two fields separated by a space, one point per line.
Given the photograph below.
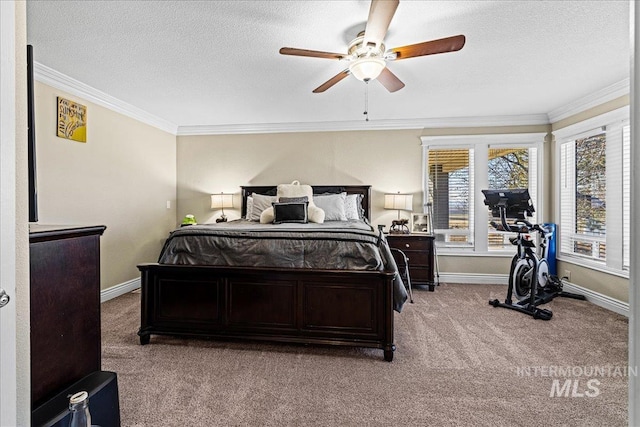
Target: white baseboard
x=594 y=297
x=598 y=299
x=117 y=290
x=476 y=279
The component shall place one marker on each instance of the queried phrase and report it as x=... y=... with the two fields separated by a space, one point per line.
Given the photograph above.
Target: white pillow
x=260 y=203
x=353 y=207
x=332 y=205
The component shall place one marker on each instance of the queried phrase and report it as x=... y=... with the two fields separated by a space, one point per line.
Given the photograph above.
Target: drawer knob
x=407 y=245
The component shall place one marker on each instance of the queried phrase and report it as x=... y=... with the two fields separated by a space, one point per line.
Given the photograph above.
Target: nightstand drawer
x=421 y=275
x=410 y=242
x=416 y=258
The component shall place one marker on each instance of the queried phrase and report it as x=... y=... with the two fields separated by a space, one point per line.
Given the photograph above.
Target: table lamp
x=400 y=202
x=221 y=201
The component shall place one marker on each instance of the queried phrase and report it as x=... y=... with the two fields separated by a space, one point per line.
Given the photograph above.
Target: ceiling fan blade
x=380 y=14
x=390 y=80
x=310 y=53
x=448 y=44
x=333 y=80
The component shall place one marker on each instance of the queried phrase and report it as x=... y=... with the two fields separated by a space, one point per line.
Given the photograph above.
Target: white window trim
x=480 y=144
x=614 y=119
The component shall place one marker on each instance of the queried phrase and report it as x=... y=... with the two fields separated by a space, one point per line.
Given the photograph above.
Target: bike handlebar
x=516 y=228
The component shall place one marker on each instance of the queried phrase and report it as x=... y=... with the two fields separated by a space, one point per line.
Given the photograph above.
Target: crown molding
x=336 y=126
x=60 y=81
x=494 y=138
x=576 y=130
x=594 y=99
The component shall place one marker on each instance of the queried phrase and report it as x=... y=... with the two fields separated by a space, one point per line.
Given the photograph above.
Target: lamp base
x=221 y=219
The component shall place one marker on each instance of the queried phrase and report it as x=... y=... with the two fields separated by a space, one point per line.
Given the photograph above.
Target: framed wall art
x=72 y=120
x=421 y=224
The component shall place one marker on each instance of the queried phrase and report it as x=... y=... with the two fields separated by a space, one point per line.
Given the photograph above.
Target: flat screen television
x=31 y=139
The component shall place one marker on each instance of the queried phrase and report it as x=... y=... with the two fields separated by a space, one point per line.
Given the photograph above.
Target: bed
x=330 y=284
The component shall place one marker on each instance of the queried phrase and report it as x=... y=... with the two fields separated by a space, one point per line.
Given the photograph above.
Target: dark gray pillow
x=290 y=212
x=293 y=199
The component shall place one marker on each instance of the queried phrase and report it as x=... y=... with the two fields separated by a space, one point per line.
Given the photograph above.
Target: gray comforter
x=335 y=245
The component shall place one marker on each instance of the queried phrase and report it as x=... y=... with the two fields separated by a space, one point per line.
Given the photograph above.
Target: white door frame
x=8 y=366
x=634 y=273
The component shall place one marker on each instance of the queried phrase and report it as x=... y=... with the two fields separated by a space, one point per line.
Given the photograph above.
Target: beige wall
x=389 y=161
x=122 y=177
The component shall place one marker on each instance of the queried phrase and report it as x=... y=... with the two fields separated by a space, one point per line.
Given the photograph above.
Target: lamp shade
x=402 y=202
x=367 y=68
x=221 y=201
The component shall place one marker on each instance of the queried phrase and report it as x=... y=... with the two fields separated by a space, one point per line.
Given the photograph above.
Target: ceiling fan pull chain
x=366 y=101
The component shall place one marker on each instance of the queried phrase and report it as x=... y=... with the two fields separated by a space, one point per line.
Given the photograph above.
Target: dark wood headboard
x=271 y=190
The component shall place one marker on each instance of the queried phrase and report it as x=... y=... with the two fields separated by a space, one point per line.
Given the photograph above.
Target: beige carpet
x=459 y=362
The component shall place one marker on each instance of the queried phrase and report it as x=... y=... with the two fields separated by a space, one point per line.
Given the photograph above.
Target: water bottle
x=79 y=407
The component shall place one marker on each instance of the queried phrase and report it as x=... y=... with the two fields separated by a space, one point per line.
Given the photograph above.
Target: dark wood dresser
x=419 y=250
x=65 y=307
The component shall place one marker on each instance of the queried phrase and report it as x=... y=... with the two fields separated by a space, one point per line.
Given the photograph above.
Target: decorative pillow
x=294 y=189
x=260 y=204
x=290 y=212
x=293 y=199
x=332 y=205
x=353 y=206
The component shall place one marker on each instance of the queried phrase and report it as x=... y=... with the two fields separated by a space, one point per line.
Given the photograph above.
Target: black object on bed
x=332 y=283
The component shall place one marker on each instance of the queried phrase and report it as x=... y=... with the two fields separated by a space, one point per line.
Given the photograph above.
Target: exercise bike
x=529 y=278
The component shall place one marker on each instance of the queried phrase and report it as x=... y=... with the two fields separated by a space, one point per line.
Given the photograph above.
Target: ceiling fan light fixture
x=367 y=68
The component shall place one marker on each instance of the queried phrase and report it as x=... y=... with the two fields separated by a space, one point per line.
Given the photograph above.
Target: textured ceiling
x=216 y=63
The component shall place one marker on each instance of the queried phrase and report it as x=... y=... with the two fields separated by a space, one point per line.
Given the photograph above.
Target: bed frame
x=308 y=306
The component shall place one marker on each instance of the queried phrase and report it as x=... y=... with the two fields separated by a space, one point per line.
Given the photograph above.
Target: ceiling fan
x=367 y=54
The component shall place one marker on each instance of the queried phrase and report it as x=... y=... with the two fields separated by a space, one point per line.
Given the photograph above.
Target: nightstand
x=419 y=250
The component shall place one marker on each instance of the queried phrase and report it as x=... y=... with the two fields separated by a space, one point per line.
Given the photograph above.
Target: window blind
x=451 y=192
x=626 y=195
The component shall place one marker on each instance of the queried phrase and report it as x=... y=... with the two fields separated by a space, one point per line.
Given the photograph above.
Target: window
x=583 y=215
x=451 y=188
x=511 y=168
x=594 y=193
x=457 y=168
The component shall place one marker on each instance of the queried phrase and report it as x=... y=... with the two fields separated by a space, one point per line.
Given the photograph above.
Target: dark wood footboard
x=352 y=308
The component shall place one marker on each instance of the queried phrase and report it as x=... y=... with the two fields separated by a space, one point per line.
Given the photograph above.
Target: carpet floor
x=459 y=362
